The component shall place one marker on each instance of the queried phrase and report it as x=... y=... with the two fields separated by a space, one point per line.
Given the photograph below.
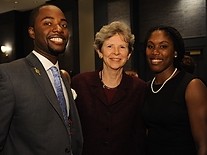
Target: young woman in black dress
x=175 y=110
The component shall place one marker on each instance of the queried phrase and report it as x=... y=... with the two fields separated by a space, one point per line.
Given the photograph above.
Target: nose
x=155 y=51
x=116 y=51
x=57 y=28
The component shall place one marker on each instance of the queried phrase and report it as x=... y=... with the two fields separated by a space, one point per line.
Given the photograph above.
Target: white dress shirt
x=47 y=64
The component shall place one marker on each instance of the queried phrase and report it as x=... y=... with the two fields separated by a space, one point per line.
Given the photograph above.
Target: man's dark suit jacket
x=30 y=116
x=114 y=128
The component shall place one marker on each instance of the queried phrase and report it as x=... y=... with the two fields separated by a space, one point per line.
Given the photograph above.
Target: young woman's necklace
x=163 y=82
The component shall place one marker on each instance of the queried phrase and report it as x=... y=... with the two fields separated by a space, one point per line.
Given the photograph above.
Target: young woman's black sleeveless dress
x=165 y=114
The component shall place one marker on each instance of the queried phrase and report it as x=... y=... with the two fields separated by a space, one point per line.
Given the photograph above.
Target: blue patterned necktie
x=59 y=90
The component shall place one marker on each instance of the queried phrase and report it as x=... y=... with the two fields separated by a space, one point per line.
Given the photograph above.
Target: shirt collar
x=45 y=62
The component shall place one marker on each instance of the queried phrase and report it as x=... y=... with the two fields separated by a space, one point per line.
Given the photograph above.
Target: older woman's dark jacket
x=114 y=128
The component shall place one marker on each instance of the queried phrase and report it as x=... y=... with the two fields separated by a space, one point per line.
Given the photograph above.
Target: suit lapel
x=96 y=88
x=74 y=120
x=67 y=86
x=44 y=82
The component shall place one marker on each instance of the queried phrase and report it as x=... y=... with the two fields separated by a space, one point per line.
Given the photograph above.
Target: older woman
x=175 y=111
x=108 y=100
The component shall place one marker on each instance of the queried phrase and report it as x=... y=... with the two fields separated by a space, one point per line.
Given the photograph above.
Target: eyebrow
x=48 y=17
x=149 y=41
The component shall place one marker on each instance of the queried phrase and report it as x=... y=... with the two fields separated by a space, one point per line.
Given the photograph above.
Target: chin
x=57 y=51
x=155 y=69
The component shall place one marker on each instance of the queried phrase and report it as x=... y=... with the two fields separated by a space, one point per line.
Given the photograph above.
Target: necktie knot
x=55 y=71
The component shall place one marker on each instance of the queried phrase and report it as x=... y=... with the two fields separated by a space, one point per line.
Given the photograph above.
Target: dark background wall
x=188 y=16
x=8 y=33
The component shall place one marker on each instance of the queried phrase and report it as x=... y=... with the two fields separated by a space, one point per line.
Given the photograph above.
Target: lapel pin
x=37 y=71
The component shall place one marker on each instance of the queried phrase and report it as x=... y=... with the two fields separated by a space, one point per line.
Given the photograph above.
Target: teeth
x=115 y=59
x=156 y=61
x=58 y=40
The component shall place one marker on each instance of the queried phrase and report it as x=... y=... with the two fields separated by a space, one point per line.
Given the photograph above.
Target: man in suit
x=32 y=122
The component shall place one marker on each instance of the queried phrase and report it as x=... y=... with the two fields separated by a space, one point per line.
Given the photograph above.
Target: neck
x=110 y=80
x=161 y=77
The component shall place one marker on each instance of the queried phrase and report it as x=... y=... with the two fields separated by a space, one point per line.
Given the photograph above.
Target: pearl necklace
x=163 y=82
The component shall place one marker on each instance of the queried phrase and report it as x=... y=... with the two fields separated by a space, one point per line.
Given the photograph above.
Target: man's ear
x=31 y=32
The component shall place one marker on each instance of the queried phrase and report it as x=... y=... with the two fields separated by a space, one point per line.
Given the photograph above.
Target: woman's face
x=160 y=51
x=115 y=52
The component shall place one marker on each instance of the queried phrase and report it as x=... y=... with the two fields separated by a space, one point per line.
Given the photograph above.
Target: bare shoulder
x=196 y=84
x=196 y=92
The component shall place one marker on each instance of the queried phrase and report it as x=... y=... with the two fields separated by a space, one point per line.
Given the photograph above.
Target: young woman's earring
x=176 y=54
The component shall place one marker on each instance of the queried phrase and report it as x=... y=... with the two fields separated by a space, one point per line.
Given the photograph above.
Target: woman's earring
x=176 y=54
